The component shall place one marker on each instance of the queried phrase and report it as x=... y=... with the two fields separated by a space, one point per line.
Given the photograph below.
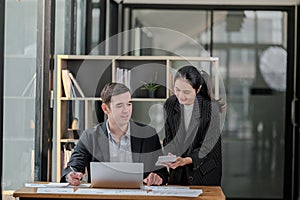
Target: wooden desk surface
x=209 y=193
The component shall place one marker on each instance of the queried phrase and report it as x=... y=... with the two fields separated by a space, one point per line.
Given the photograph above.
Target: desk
x=209 y=193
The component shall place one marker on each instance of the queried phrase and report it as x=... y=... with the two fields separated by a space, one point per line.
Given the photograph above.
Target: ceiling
x=215 y=2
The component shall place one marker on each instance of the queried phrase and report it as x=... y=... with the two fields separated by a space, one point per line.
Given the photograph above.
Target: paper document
x=52 y=184
x=29 y=185
x=112 y=191
x=56 y=185
x=169 y=187
x=156 y=192
x=176 y=192
x=53 y=190
x=83 y=185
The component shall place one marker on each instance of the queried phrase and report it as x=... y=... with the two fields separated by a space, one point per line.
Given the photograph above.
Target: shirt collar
x=127 y=134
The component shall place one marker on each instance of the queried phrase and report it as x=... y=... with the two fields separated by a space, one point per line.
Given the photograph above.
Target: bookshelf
x=92 y=72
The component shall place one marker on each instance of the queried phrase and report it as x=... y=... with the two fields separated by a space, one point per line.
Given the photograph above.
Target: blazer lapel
x=195 y=119
x=104 y=142
x=136 y=142
x=194 y=124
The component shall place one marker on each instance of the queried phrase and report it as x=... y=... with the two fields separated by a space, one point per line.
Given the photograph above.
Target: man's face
x=120 y=109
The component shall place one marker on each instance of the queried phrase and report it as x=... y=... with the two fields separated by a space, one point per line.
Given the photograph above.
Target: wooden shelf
x=92 y=72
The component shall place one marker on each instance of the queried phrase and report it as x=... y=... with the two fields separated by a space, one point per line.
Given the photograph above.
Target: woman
x=192 y=131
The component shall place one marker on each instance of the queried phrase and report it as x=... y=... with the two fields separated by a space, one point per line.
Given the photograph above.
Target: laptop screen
x=116 y=174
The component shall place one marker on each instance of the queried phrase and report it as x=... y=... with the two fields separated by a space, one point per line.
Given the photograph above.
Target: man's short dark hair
x=112 y=89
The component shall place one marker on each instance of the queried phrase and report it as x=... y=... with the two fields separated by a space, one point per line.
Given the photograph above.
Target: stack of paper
x=65 y=188
x=154 y=191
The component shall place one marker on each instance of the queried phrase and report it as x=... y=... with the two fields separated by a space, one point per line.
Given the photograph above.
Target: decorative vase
x=151 y=93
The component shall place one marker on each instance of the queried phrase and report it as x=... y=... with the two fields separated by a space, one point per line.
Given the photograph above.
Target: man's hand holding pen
x=74 y=177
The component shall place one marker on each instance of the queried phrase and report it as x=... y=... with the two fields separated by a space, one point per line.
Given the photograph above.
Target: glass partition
x=251 y=46
x=253 y=141
x=19 y=93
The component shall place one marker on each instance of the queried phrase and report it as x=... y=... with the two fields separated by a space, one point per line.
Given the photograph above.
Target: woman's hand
x=179 y=162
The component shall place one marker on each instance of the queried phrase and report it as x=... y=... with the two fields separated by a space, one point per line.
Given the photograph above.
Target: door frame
x=2 y=33
x=296 y=106
x=44 y=94
x=291 y=164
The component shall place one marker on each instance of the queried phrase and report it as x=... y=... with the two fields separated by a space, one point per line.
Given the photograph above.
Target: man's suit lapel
x=136 y=142
x=104 y=143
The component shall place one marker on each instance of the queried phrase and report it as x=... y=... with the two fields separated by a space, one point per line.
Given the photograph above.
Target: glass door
x=253 y=50
x=252 y=47
x=19 y=93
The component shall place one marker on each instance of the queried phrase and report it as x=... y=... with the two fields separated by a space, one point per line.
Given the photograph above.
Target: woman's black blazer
x=201 y=142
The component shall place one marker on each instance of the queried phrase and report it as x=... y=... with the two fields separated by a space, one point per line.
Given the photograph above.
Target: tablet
x=165 y=159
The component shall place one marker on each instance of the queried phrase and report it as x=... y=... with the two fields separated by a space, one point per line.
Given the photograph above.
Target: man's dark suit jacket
x=93 y=146
x=201 y=142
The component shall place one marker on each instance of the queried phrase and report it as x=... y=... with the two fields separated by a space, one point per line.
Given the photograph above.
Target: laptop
x=116 y=175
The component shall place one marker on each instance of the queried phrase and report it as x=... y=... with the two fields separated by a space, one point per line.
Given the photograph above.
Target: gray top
x=188 y=111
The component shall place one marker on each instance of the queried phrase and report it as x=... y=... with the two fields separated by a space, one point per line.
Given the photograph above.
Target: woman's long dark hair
x=192 y=75
x=197 y=78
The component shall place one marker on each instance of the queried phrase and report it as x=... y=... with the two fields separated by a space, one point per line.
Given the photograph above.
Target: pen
x=76 y=173
x=73 y=170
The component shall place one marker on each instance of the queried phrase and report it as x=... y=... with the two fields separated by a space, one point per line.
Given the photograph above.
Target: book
x=67 y=83
x=123 y=76
x=76 y=84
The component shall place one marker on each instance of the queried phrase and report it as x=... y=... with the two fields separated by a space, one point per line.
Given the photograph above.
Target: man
x=118 y=139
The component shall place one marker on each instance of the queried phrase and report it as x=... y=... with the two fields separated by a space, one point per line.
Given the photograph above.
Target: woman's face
x=184 y=92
